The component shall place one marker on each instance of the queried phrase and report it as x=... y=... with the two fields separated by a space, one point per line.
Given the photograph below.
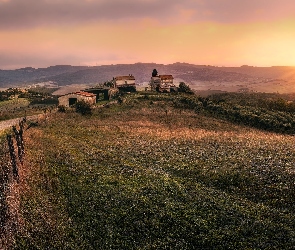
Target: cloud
x=261 y=44
x=31 y=13
x=245 y=11
x=15 y=14
x=48 y=32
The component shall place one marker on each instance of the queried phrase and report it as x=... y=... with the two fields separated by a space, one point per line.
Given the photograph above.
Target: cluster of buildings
x=160 y=83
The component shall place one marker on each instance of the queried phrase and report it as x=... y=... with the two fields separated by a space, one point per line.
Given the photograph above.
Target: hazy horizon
x=205 y=65
x=226 y=33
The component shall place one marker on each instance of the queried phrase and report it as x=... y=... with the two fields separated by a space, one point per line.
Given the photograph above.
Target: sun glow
x=222 y=44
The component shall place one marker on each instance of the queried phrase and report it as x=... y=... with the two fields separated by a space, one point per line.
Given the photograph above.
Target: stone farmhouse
x=124 y=82
x=162 y=83
x=71 y=98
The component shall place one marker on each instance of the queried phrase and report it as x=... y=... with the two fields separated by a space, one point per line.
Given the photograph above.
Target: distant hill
x=189 y=73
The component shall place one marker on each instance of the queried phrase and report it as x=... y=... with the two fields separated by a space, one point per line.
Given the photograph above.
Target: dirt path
x=9 y=123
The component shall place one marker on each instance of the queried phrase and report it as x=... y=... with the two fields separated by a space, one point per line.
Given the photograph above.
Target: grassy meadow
x=146 y=174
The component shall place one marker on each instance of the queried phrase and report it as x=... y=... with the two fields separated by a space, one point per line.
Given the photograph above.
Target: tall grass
x=143 y=175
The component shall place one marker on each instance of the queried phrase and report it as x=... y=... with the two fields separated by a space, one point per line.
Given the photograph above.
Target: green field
x=148 y=174
x=21 y=107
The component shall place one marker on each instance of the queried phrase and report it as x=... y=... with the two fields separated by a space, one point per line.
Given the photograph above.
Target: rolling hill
x=200 y=77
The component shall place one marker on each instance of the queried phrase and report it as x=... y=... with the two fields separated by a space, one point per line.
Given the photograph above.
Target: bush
x=61 y=108
x=120 y=99
x=83 y=107
x=184 y=88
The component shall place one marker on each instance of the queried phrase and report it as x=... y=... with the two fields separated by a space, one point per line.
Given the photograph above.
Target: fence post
x=19 y=142
x=3 y=204
x=12 y=158
x=21 y=131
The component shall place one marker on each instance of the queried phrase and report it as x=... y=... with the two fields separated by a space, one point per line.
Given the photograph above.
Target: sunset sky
x=40 y=33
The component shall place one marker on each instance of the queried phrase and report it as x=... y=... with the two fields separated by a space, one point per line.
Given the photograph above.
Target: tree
x=155 y=73
x=184 y=88
x=109 y=84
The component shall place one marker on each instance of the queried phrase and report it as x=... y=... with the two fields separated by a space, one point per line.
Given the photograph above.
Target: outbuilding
x=70 y=99
x=162 y=83
x=102 y=93
x=125 y=82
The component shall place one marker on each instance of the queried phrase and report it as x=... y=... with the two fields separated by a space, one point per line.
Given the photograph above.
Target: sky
x=42 y=33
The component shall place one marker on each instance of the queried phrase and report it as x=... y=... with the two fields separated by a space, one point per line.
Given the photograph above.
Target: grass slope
x=20 y=107
x=143 y=175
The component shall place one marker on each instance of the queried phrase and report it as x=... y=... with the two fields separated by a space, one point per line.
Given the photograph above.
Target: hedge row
x=259 y=117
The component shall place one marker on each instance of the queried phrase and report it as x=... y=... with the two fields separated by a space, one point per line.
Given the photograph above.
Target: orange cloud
x=148 y=40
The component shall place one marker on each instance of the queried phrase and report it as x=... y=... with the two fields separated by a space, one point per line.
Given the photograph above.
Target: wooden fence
x=12 y=152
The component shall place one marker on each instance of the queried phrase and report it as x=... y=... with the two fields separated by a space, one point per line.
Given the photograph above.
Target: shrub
x=120 y=99
x=184 y=88
x=83 y=107
x=61 y=108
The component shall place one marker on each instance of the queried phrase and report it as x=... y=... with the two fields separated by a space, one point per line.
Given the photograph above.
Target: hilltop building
x=126 y=83
x=71 y=98
x=162 y=83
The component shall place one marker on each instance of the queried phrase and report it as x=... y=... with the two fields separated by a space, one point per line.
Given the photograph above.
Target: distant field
x=262 y=86
x=11 y=104
x=145 y=175
x=20 y=107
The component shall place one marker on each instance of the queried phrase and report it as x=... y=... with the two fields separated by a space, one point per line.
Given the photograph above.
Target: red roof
x=130 y=77
x=166 y=77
